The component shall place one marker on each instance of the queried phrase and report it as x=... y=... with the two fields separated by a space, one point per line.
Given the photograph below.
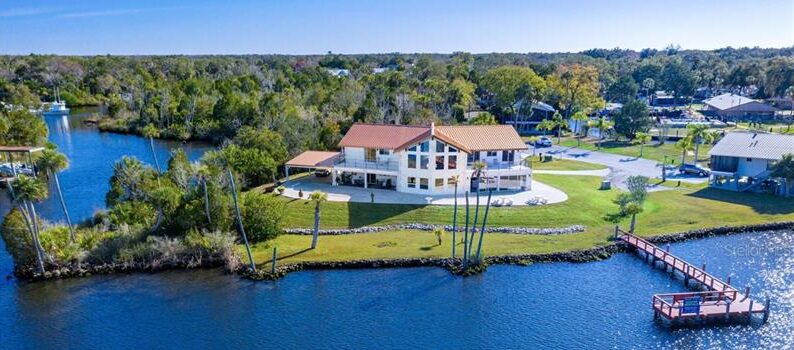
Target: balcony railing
x=362 y=164
x=501 y=166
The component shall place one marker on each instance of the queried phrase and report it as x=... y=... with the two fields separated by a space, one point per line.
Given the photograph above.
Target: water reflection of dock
x=719 y=302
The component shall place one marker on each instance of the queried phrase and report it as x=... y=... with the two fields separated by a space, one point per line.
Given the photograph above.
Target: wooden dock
x=720 y=300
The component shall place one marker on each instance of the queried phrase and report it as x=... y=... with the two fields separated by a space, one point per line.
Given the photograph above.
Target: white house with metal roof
x=742 y=161
x=730 y=106
x=425 y=159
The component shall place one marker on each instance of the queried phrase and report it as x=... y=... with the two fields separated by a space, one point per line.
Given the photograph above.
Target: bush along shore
x=429 y=228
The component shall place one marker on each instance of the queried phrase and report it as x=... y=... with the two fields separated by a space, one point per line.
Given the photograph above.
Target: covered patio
x=15 y=160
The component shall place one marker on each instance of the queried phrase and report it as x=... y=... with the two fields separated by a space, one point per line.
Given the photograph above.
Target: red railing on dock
x=722 y=299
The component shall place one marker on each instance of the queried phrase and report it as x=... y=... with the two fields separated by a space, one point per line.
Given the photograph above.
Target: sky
x=91 y=27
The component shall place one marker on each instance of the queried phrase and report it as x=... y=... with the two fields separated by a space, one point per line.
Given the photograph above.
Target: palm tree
x=633 y=209
x=546 y=125
x=52 y=162
x=27 y=191
x=151 y=132
x=532 y=140
x=602 y=124
x=559 y=124
x=482 y=229
x=479 y=168
x=699 y=133
x=790 y=93
x=642 y=138
x=685 y=145
x=240 y=220
x=785 y=169
x=455 y=214
x=203 y=173
x=581 y=121
x=648 y=84
x=317 y=197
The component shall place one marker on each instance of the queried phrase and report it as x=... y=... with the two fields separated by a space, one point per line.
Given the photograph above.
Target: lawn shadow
x=293 y=254
x=370 y=214
x=761 y=203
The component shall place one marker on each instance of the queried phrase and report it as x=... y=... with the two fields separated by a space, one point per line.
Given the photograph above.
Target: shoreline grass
x=682 y=209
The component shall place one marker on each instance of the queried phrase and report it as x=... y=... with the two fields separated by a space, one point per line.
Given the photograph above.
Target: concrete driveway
x=621 y=166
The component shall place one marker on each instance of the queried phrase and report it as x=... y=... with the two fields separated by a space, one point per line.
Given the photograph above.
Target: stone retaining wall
x=448 y=228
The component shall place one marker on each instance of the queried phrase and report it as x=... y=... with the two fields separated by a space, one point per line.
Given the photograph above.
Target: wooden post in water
x=240 y=220
x=273 y=263
x=746 y=293
x=766 y=310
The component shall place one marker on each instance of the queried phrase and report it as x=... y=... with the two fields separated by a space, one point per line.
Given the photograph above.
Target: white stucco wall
x=751 y=167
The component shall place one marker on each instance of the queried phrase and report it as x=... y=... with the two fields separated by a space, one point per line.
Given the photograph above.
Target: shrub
x=262 y=216
x=57 y=243
x=133 y=213
x=17 y=239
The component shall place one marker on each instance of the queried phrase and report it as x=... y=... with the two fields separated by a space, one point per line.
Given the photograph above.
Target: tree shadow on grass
x=370 y=214
x=293 y=254
x=761 y=203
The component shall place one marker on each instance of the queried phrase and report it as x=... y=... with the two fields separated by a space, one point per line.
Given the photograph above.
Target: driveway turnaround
x=364 y=195
x=621 y=166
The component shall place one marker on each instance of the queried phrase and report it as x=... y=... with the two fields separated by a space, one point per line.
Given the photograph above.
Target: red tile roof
x=385 y=136
x=313 y=159
x=481 y=137
x=468 y=138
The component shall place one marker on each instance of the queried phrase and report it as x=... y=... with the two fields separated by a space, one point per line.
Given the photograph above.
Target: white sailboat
x=57 y=107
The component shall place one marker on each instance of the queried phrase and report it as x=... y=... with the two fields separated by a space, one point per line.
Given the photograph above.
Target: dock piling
x=766 y=310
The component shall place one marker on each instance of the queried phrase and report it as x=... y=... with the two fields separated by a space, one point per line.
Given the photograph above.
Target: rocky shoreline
x=87 y=270
x=453 y=265
x=429 y=227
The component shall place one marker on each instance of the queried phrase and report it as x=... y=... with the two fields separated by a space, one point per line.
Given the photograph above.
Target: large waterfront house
x=743 y=161
x=424 y=159
x=731 y=106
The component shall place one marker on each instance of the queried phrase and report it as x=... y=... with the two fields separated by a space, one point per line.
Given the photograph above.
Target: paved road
x=621 y=166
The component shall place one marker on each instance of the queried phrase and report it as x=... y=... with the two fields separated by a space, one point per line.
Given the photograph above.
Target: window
x=412 y=148
x=411 y=161
x=440 y=147
x=369 y=154
x=452 y=162
x=508 y=156
x=411 y=182
x=422 y=184
x=439 y=162
x=452 y=149
x=439 y=183
x=475 y=156
x=424 y=162
x=424 y=146
x=451 y=182
x=383 y=152
x=491 y=154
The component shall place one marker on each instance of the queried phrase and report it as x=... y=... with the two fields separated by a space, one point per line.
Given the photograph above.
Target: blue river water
x=602 y=304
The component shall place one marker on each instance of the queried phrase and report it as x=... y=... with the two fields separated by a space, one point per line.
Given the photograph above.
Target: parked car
x=694 y=170
x=543 y=142
x=322 y=172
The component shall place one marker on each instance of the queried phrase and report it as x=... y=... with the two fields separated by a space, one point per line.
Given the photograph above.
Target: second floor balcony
x=367 y=165
x=500 y=166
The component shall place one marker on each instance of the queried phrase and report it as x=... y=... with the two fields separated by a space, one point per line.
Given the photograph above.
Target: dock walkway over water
x=719 y=301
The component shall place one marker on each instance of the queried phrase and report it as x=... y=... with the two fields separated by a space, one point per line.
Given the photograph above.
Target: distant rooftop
x=729 y=101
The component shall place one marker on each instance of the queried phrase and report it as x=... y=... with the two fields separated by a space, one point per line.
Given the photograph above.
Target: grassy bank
x=680 y=209
x=566 y=164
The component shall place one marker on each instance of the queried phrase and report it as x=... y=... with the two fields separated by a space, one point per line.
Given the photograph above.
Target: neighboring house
x=379 y=70
x=743 y=161
x=424 y=159
x=664 y=99
x=528 y=123
x=338 y=72
x=734 y=106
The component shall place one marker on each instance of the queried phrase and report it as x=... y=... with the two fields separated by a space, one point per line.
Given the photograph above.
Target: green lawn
x=685 y=208
x=566 y=164
x=652 y=151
